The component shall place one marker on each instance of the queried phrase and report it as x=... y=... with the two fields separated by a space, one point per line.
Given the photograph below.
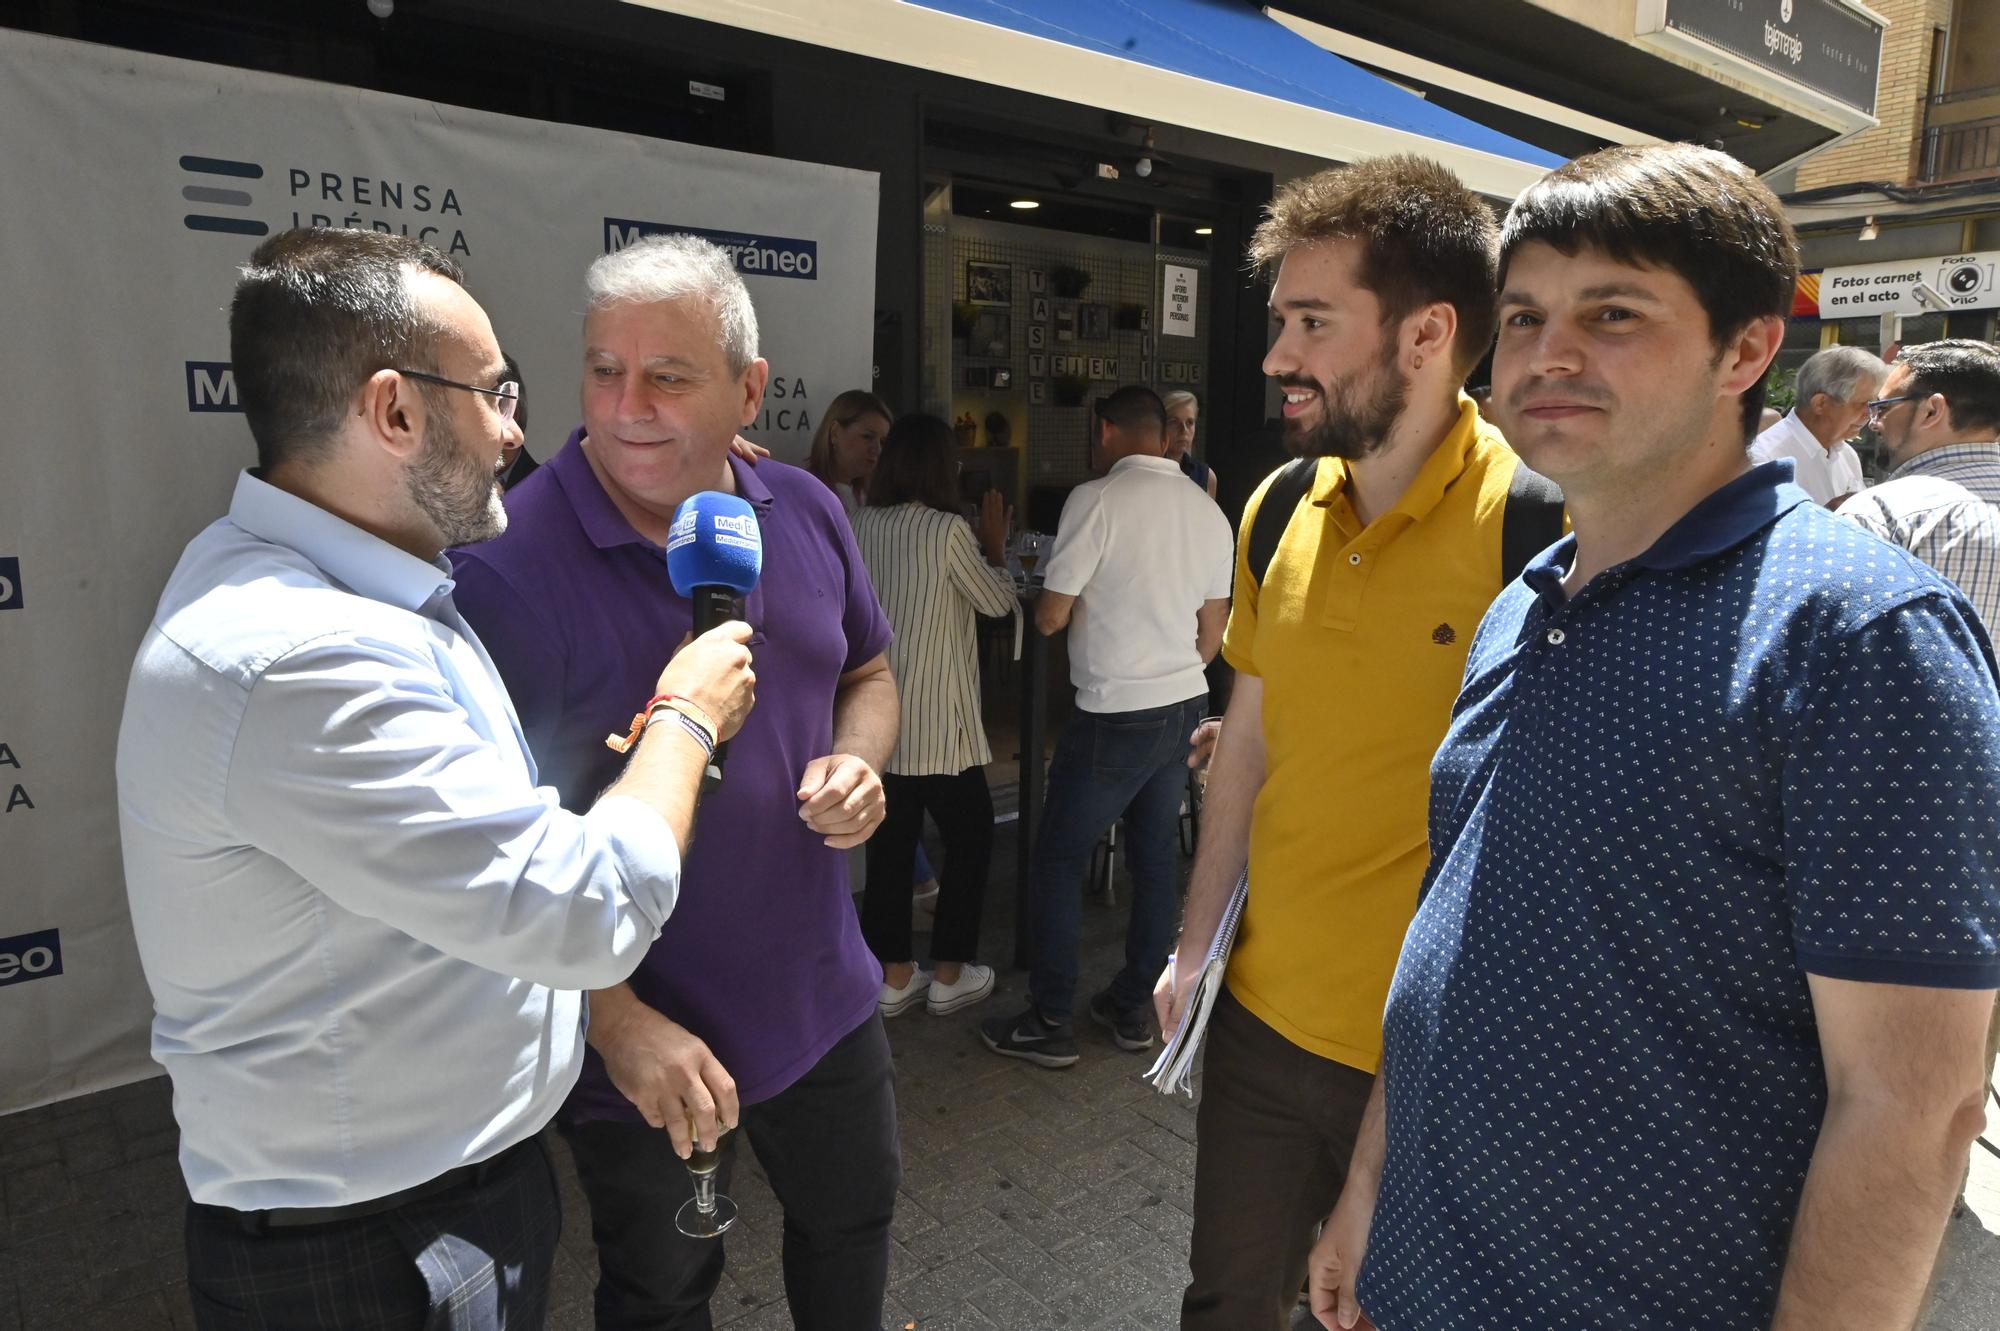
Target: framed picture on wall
x=1038 y=364
x=1038 y=392
x=978 y=376
x=1066 y=323
x=1038 y=282
x=1003 y=378
x=990 y=335
x=1038 y=337
x=989 y=283
x=1093 y=322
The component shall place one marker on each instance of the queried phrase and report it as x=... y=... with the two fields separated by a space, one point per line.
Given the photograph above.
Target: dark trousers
x=475 y=1258
x=1273 y=1135
x=1105 y=764
x=828 y=1144
x=962 y=807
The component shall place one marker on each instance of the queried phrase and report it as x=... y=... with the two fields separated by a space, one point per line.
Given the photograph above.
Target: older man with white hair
x=1833 y=390
x=760 y=1001
x=1183 y=413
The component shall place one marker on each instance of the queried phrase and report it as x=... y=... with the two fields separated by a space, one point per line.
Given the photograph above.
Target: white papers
x=1175 y=1069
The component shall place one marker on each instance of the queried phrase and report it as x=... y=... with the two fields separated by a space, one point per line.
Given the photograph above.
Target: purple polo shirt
x=762 y=957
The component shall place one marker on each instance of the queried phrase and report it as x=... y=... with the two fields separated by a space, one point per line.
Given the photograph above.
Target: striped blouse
x=932 y=581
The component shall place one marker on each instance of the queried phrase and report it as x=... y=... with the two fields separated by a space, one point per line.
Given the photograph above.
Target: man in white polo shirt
x=1141 y=575
x=1833 y=387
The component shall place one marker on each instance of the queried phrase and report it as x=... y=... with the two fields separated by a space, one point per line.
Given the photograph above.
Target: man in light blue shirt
x=364 y=926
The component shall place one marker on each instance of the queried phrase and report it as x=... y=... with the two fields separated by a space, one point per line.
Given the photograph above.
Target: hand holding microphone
x=713 y=672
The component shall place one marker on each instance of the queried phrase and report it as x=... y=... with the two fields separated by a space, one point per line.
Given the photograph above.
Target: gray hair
x=1837 y=372
x=1179 y=398
x=679 y=267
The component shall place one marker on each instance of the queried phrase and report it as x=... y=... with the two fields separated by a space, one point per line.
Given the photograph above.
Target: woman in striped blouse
x=933 y=576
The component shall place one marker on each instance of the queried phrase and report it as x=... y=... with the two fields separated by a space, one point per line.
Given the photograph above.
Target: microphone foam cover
x=714 y=542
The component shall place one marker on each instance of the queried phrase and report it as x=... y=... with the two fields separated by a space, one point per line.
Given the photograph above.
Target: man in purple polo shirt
x=761 y=992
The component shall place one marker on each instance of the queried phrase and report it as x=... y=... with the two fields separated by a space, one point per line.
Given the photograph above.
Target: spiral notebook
x=1174 y=1071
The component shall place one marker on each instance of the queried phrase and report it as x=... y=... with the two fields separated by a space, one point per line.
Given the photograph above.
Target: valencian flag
x=1805 y=295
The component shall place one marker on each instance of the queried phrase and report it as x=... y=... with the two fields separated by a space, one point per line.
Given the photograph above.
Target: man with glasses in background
x=364 y=926
x=1938 y=422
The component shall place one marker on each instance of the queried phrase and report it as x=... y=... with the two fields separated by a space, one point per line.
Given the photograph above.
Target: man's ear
x=755 y=380
x=1431 y=331
x=1750 y=353
x=393 y=412
x=1936 y=409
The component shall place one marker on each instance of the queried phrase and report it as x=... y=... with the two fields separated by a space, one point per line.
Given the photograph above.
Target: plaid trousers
x=471 y=1259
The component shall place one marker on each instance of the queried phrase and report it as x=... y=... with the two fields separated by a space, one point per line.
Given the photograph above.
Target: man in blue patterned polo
x=1689 y=1028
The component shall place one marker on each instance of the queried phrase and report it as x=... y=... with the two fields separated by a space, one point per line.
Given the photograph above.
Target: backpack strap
x=1531 y=522
x=1281 y=500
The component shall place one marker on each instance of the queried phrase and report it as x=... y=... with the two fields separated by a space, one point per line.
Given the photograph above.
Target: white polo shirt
x=1822 y=474
x=1141 y=550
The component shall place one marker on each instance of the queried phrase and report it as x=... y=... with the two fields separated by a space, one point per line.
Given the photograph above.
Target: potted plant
x=1781 y=393
x=1069 y=281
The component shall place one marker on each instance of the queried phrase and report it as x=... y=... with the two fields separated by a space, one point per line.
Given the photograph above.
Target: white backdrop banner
x=134 y=187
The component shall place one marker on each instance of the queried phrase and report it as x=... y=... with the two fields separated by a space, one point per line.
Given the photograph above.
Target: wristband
x=694 y=728
x=708 y=732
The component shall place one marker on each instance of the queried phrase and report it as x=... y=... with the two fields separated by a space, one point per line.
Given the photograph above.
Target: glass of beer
x=708 y=1213
x=1028 y=549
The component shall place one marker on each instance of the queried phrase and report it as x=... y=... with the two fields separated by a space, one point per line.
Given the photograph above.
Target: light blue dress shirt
x=364 y=926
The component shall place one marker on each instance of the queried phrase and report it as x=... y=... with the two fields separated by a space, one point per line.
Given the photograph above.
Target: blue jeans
x=1109 y=763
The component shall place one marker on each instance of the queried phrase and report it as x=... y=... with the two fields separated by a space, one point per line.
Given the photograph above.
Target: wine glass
x=1029 y=550
x=708 y=1213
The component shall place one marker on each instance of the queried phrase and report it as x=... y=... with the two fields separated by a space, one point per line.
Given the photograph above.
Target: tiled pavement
x=1031 y=1200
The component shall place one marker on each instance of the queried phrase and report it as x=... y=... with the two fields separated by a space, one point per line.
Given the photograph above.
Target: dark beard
x=1354 y=419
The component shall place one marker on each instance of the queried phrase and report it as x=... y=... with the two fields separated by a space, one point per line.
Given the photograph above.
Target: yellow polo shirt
x=1360 y=636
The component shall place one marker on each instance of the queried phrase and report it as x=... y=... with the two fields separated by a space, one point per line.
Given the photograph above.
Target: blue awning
x=1235 y=45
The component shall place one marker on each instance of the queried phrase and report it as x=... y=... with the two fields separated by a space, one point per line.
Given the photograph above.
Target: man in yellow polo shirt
x=1349 y=648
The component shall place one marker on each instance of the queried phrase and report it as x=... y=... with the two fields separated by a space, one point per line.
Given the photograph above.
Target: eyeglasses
x=1882 y=404
x=509 y=393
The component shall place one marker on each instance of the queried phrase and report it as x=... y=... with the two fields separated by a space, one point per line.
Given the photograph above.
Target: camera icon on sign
x=10 y=583
x=1964 y=279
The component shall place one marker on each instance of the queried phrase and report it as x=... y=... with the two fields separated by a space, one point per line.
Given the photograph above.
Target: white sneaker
x=974 y=983
x=895 y=1002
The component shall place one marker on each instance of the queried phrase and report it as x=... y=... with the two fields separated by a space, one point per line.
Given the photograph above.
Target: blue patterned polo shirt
x=1767 y=747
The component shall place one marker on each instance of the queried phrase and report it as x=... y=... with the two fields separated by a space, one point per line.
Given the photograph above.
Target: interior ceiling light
x=1869 y=230
x=1204 y=231
x=1025 y=204
x=1144 y=166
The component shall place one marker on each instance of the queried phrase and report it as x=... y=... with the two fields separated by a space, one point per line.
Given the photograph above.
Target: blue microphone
x=715 y=551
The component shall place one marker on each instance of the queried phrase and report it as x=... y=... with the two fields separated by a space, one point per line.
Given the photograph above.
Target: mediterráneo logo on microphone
x=682 y=531
x=739 y=531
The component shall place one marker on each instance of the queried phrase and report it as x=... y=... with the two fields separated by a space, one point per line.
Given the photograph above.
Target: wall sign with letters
x=1965 y=281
